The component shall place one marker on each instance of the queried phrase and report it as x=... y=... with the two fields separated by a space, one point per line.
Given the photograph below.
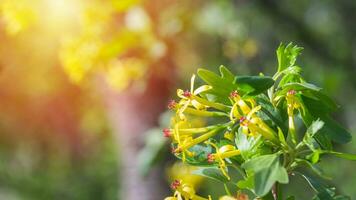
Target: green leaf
x=331 y=129
x=341 y=155
x=318 y=186
x=318 y=103
x=342 y=197
x=310 y=133
x=321 y=138
x=287 y=55
x=312 y=167
x=288 y=78
x=248 y=146
x=212 y=173
x=267 y=170
x=324 y=192
x=200 y=155
x=222 y=87
x=271 y=112
x=300 y=87
x=248 y=182
x=253 y=85
x=335 y=131
x=226 y=73
x=314 y=128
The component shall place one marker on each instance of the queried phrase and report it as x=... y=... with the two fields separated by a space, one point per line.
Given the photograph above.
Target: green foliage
x=266 y=171
x=212 y=173
x=253 y=85
x=287 y=55
x=261 y=140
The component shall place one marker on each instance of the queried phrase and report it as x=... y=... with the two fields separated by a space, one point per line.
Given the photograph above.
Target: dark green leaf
x=318 y=186
x=331 y=129
x=271 y=112
x=318 y=103
x=312 y=167
x=300 y=87
x=335 y=131
x=254 y=84
x=322 y=139
x=212 y=173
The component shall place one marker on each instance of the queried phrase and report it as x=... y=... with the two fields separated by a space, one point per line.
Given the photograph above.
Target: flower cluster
x=250 y=127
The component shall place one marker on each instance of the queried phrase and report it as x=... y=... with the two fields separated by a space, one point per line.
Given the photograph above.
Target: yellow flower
x=185 y=142
x=187 y=98
x=184 y=191
x=226 y=151
x=240 y=107
x=292 y=103
x=184 y=173
x=191 y=103
x=251 y=124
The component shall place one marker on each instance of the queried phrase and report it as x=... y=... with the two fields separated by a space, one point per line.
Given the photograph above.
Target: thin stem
x=227 y=190
x=275 y=191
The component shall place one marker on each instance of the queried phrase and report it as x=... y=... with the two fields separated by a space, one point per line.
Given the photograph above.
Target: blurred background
x=84 y=85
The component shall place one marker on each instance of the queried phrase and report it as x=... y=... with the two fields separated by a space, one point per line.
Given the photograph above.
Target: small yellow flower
x=226 y=151
x=240 y=106
x=186 y=142
x=187 y=98
x=192 y=103
x=251 y=124
x=184 y=191
x=292 y=103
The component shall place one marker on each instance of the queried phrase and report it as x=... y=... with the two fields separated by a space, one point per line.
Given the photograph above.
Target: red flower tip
x=211 y=158
x=234 y=94
x=187 y=94
x=291 y=92
x=243 y=121
x=172 y=104
x=176 y=150
x=175 y=184
x=167 y=132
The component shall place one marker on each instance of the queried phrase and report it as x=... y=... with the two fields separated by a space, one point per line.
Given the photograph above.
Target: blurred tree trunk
x=132 y=113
